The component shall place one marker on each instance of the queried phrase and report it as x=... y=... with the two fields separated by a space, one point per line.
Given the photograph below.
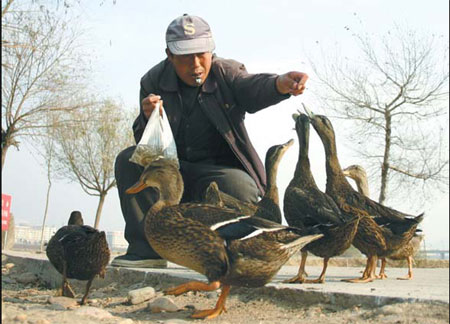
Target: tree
x=394 y=96
x=87 y=143
x=41 y=69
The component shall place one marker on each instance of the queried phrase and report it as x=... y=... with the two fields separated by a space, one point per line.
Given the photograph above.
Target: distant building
x=116 y=240
x=31 y=235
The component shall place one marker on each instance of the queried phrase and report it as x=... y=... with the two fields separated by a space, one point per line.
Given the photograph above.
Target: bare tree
x=88 y=142
x=41 y=69
x=394 y=98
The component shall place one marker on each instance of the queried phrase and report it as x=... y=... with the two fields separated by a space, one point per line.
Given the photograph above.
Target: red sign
x=6 y=214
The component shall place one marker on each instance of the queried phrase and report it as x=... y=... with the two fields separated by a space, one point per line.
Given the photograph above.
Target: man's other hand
x=292 y=83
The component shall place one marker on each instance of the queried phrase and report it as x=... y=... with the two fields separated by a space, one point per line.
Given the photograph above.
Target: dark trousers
x=196 y=177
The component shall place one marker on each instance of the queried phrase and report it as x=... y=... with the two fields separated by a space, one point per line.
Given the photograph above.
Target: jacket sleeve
x=253 y=92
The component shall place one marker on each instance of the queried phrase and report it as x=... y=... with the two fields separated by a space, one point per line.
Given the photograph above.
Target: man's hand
x=149 y=103
x=292 y=83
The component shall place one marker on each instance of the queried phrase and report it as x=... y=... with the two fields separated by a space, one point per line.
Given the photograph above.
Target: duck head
x=75 y=218
x=302 y=129
x=163 y=175
x=275 y=153
x=359 y=175
x=324 y=129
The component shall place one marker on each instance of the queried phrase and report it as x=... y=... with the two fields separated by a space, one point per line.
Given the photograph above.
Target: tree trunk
x=99 y=208
x=4 y=149
x=386 y=156
x=45 y=213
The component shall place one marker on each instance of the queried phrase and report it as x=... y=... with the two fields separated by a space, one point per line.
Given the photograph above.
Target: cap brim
x=191 y=46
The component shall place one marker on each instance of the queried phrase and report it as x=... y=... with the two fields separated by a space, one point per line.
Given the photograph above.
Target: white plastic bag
x=157 y=141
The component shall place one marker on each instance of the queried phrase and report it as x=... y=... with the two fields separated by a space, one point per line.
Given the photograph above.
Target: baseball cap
x=189 y=34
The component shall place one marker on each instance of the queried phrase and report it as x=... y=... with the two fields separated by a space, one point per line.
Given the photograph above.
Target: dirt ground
x=29 y=300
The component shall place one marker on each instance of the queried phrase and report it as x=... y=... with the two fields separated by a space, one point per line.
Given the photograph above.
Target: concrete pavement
x=429 y=284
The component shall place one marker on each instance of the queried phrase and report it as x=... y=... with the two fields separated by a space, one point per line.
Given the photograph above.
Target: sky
x=126 y=39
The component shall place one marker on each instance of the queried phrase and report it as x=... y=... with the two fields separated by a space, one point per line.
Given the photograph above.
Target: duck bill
x=307 y=111
x=137 y=187
x=288 y=144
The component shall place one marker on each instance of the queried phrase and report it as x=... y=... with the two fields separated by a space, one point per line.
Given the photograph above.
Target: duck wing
x=310 y=207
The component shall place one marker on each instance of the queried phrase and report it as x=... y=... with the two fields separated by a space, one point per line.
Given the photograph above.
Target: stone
x=98 y=313
x=163 y=304
x=62 y=303
x=141 y=295
x=26 y=278
x=175 y=321
x=42 y=321
x=126 y=321
x=21 y=318
x=9 y=265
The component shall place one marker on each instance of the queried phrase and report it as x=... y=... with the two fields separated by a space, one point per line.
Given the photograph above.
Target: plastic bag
x=157 y=141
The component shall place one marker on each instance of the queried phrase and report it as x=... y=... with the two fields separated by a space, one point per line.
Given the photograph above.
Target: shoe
x=134 y=261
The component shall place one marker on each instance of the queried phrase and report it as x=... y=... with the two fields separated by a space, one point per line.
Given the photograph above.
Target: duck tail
x=300 y=242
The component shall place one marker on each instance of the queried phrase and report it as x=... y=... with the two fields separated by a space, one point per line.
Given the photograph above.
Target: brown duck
x=80 y=252
x=385 y=230
x=305 y=206
x=359 y=175
x=226 y=247
x=269 y=205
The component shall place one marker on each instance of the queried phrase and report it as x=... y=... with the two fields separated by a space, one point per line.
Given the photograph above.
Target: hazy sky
x=125 y=40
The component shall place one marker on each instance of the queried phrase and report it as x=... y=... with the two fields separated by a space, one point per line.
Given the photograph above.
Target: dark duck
x=269 y=205
x=226 y=247
x=406 y=252
x=383 y=230
x=80 y=252
x=306 y=206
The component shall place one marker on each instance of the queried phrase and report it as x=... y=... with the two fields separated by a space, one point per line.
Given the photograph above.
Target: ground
x=26 y=300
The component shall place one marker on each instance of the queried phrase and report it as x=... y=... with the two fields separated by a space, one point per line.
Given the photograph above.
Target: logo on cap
x=189 y=29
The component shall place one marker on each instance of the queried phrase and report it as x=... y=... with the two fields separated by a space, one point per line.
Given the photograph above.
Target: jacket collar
x=169 y=79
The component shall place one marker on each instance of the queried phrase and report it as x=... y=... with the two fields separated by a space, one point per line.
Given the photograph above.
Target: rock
x=175 y=321
x=138 y=296
x=42 y=321
x=26 y=278
x=8 y=280
x=98 y=313
x=20 y=318
x=126 y=321
x=62 y=303
x=9 y=266
x=163 y=304
x=212 y=294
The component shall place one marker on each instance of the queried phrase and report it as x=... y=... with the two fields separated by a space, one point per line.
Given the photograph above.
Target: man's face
x=190 y=67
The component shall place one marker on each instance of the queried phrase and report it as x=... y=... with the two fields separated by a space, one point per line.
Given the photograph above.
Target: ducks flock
x=233 y=243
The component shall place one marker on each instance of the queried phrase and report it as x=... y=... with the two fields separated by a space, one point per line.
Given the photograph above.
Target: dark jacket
x=227 y=94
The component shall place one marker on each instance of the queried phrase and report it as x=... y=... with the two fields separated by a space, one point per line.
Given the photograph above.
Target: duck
x=78 y=251
x=381 y=230
x=269 y=205
x=358 y=174
x=220 y=243
x=305 y=205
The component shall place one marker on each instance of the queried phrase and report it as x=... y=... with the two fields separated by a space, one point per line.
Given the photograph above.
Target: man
x=205 y=98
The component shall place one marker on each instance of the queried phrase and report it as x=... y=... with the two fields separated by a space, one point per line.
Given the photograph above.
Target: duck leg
x=409 y=276
x=192 y=286
x=88 y=286
x=321 y=278
x=369 y=273
x=382 y=275
x=66 y=289
x=300 y=277
x=216 y=311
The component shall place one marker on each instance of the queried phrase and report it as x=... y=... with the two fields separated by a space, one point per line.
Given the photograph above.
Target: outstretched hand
x=149 y=103
x=292 y=82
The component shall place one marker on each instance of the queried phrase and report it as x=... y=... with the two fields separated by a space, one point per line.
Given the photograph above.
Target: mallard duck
x=226 y=247
x=379 y=234
x=306 y=206
x=359 y=175
x=78 y=251
x=269 y=205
